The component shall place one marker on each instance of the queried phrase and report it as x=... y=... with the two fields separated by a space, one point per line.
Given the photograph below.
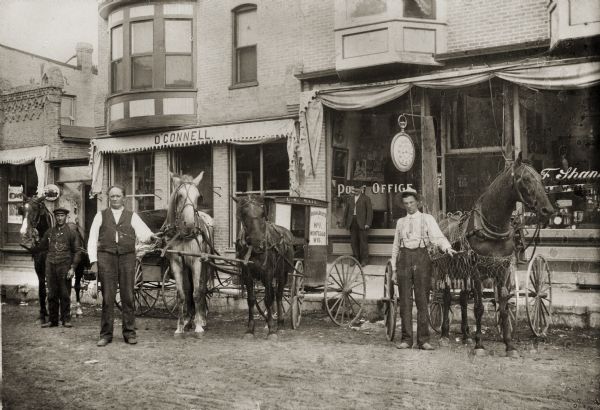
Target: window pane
x=123 y=166
x=246 y=64
x=179 y=71
x=276 y=165
x=141 y=37
x=117 y=43
x=117 y=76
x=246 y=28
x=141 y=72
x=178 y=36
x=247 y=162
x=144 y=181
x=421 y=9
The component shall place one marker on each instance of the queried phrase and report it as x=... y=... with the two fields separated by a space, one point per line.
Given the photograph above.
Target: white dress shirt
x=417 y=230
x=142 y=232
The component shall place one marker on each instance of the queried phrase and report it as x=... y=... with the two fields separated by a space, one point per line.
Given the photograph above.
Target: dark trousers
x=116 y=270
x=414 y=270
x=39 y=261
x=359 y=241
x=58 y=293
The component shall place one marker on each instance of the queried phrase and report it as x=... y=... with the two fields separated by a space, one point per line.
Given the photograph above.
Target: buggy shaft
x=206 y=256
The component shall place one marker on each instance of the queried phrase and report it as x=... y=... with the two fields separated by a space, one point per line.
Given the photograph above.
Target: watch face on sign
x=403 y=151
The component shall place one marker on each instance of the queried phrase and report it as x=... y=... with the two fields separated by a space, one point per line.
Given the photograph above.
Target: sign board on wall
x=318 y=226
x=15 y=198
x=283 y=215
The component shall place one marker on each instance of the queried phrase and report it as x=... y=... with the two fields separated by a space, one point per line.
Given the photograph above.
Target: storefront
x=22 y=173
x=236 y=159
x=464 y=126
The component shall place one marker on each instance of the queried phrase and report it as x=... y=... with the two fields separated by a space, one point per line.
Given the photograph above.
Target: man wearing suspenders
x=411 y=267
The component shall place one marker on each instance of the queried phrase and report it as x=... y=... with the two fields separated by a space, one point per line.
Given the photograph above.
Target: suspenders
x=422 y=242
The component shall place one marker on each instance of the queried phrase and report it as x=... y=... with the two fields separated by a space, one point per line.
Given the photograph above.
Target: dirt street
x=318 y=366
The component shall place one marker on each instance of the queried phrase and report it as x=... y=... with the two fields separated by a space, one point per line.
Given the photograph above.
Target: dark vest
x=106 y=237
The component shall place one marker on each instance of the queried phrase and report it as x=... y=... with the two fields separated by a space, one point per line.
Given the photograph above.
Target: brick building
x=46 y=124
x=302 y=98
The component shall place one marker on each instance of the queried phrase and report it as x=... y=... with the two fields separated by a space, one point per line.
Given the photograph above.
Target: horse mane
x=494 y=186
x=173 y=199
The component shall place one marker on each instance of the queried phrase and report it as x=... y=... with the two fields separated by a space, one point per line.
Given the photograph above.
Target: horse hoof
x=480 y=352
x=272 y=337
x=513 y=354
x=444 y=342
x=248 y=335
x=467 y=341
x=198 y=335
x=179 y=335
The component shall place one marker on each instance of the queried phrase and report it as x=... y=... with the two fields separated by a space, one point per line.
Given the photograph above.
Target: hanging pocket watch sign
x=402 y=148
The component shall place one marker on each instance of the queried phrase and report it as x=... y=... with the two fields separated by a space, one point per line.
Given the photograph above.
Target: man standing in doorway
x=64 y=254
x=112 y=245
x=411 y=267
x=358 y=218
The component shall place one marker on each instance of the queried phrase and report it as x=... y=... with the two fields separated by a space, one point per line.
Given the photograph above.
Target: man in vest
x=358 y=218
x=64 y=254
x=112 y=245
x=411 y=267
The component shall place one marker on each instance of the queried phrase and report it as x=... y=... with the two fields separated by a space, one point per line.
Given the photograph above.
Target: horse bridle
x=262 y=247
x=187 y=202
x=516 y=181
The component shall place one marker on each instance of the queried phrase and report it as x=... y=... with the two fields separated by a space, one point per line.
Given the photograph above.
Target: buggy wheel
x=512 y=286
x=169 y=294
x=389 y=303
x=538 y=295
x=145 y=294
x=345 y=290
x=297 y=294
x=435 y=311
x=259 y=294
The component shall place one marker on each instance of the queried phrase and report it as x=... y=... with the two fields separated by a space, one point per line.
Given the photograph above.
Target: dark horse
x=269 y=249
x=188 y=230
x=487 y=238
x=37 y=219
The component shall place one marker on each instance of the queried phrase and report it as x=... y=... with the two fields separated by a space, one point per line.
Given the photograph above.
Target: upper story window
x=178 y=53
x=152 y=47
x=142 y=44
x=245 y=39
x=420 y=9
x=116 y=59
x=67 y=110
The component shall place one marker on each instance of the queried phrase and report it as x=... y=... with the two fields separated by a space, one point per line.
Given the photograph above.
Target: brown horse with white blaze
x=188 y=230
x=487 y=236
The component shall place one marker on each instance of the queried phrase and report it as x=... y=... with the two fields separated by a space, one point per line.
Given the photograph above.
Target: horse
x=487 y=238
x=188 y=230
x=269 y=250
x=37 y=219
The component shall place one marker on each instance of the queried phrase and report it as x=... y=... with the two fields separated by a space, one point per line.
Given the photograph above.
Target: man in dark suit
x=358 y=217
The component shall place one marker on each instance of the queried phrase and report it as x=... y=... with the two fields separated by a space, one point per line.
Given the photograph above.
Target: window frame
x=235 y=71
x=72 y=99
x=170 y=54
x=132 y=195
x=118 y=60
x=133 y=56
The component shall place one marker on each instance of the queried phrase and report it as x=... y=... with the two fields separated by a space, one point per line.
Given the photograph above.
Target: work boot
x=103 y=342
x=67 y=324
x=49 y=324
x=426 y=346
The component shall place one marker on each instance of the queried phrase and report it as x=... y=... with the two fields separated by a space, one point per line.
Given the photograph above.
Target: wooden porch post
x=429 y=159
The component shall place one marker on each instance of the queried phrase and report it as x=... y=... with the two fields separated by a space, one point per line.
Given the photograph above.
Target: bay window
x=142 y=42
x=116 y=58
x=178 y=53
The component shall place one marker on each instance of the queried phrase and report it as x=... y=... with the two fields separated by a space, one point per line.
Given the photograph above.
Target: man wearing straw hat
x=411 y=266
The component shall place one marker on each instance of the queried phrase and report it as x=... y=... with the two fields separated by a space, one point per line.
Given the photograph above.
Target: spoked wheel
x=436 y=311
x=169 y=294
x=512 y=286
x=345 y=290
x=297 y=294
x=538 y=295
x=286 y=301
x=145 y=294
x=389 y=303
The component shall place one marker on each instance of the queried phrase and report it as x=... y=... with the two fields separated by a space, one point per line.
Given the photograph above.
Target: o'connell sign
x=403 y=151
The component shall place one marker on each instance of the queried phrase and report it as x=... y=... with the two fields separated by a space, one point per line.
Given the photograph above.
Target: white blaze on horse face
x=24 y=226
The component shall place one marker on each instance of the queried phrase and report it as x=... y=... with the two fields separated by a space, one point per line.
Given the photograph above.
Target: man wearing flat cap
x=64 y=254
x=411 y=266
x=358 y=217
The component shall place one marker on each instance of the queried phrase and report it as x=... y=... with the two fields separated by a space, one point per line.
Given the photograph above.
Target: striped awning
x=243 y=133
